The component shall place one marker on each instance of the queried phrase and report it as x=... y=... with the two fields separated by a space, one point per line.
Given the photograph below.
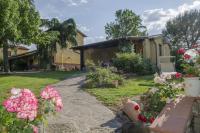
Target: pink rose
x=181 y=51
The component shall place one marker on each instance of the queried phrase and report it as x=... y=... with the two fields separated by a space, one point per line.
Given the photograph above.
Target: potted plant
x=191 y=71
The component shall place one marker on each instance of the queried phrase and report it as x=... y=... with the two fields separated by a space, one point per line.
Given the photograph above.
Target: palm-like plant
x=62 y=33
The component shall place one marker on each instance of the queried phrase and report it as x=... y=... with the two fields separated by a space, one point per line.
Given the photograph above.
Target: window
x=160 y=50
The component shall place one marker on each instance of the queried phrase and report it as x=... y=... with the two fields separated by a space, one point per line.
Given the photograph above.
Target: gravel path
x=82 y=113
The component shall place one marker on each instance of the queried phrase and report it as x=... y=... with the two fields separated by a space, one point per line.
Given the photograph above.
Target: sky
x=92 y=15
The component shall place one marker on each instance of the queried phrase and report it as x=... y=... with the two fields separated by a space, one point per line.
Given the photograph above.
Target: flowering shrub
x=23 y=112
x=189 y=61
x=167 y=88
x=103 y=77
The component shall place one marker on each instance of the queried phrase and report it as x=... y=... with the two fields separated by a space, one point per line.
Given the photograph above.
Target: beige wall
x=67 y=55
x=13 y=51
x=151 y=49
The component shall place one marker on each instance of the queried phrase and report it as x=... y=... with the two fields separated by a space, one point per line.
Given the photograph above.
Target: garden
x=128 y=81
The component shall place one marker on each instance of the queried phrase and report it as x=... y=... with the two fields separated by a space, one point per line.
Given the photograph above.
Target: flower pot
x=192 y=86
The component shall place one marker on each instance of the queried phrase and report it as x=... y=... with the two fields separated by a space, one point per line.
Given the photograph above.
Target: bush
x=103 y=77
x=134 y=63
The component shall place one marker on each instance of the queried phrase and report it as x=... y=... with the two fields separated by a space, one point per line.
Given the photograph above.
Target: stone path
x=82 y=113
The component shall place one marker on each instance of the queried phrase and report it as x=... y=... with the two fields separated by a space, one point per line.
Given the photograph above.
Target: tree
x=62 y=33
x=127 y=23
x=19 y=23
x=183 y=30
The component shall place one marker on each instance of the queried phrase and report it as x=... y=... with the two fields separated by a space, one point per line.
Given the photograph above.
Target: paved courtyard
x=82 y=113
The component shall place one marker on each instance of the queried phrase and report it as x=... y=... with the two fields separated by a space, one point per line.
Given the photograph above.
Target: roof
x=23 y=55
x=113 y=42
x=81 y=33
x=22 y=47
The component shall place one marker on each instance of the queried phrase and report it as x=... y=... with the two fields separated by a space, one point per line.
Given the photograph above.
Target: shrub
x=132 y=62
x=22 y=112
x=166 y=89
x=103 y=77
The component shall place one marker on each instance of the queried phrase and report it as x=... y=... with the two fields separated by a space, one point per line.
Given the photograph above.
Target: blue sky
x=92 y=15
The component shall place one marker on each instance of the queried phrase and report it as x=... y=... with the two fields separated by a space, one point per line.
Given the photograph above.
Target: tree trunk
x=5 y=57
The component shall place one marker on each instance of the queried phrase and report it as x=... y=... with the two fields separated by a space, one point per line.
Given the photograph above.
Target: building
x=14 y=51
x=156 y=48
x=63 y=59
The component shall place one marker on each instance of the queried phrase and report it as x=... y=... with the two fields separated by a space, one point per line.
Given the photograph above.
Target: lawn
x=133 y=87
x=33 y=81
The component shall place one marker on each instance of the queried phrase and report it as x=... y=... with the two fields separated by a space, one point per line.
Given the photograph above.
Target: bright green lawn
x=133 y=87
x=34 y=81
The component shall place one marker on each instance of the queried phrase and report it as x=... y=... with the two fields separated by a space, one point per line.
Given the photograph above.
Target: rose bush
x=189 y=61
x=23 y=112
x=167 y=88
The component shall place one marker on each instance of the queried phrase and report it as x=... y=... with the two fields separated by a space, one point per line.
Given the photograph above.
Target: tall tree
x=127 y=23
x=62 y=33
x=19 y=23
x=184 y=30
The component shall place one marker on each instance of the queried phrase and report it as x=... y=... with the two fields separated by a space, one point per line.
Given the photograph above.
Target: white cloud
x=83 y=28
x=75 y=2
x=156 y=19
x=94 y=39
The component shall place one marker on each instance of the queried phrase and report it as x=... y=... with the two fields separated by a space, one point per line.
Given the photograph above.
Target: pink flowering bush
x=189 y=61
x=166 y=89
x=23 y=111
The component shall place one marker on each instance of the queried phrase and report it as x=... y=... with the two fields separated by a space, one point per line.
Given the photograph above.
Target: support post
x=82 y=62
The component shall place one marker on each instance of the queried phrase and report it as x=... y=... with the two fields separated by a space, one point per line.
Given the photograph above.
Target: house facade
x=14 y=51
x=155 y=48
x=63 y=58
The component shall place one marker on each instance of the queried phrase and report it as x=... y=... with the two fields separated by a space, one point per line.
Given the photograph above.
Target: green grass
x=132 y=87
x=33 y=81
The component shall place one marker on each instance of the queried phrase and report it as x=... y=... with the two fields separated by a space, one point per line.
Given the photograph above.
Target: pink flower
x=178 y=75
x=187 y=57
x=49 y=93
x=181 y=51
x=25 y=104
x=35 y=129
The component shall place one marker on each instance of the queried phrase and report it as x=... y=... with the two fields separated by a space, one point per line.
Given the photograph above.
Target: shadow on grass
x=58 y=75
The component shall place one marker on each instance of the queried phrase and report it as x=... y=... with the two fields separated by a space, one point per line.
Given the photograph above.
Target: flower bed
x=167 y=88
x=23 y=112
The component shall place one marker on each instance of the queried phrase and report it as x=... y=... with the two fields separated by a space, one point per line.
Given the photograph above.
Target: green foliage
x=155 y=102
x=156 y=98
x=19 y=23
x=184 y=29
x=127 y=23
x=62 y=33
x=132 y=62
x=103 y=77
x=131 y=88
x=10 y=124
x=190 y=70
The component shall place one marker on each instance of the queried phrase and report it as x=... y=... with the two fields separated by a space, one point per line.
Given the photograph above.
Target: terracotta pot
x=192 y=86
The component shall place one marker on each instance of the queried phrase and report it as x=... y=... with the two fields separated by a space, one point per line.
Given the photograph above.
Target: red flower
x=195 y=46
x=187 y=57
x=181 y=51
x=142 y=118
x=178 y=75
x=151 y=120
x=137 y=107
